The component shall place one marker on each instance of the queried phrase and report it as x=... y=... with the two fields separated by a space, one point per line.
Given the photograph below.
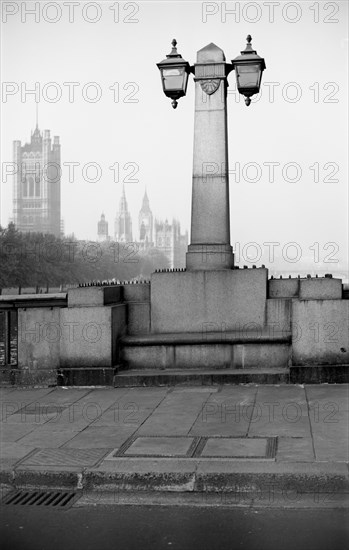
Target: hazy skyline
x=300 y=133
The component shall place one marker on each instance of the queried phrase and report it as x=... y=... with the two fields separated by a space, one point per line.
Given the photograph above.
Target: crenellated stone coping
x=111 y=283
x=183 y=269
x=306 y=288
x=267 y=335
x=326 y=276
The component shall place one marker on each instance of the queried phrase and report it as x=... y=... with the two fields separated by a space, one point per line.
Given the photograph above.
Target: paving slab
x=15 y=400
x=87 y=409
x=226 y=413
x=330 y=434
x=47 y=438
x=100 y=436
x=123 y=415
x=327 y=392
x=9 y=433
x=14 y=451
x=280 y=410
x=35 y=413
x=175 y=415
x=132 y=408
x=291 y=449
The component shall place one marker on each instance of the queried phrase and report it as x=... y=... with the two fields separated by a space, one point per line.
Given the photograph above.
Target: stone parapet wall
x=184 y=319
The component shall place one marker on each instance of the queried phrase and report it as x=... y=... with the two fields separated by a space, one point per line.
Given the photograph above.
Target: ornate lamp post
x=248 y=68
x=210 y=247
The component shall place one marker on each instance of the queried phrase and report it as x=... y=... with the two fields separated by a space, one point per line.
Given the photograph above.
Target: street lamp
x=248 y=68
x=210 y=247
x=174 y=75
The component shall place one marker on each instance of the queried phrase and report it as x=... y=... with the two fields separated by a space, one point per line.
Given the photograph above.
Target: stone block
x=138 y=318
x=226 y=299
x=279 y=315
x=39 y=335
x=94 y=296
x=90 y=335
x=136 y=293
x=320 y=289
x=119 y=328
x=203 y=356
x=207 y=356
x=320 y=332
x=147 y=357
x=283 y=288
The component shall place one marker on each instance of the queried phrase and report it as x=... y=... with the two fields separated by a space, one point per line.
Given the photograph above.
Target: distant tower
x=123 y=222
x=145 y=222
x=37 y=184
x=169 y=241
x=102 y=229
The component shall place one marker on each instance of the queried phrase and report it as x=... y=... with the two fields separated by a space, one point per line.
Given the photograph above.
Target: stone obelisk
x=210 y=226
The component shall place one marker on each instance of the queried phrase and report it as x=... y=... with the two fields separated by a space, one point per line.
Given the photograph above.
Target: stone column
x=210 y=227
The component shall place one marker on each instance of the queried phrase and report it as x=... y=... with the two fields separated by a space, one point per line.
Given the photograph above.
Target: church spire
x=145 y=204
x=123 y=201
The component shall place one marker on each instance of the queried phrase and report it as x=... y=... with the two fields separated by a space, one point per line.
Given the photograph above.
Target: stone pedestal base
x=209 y=257
x=210 y=300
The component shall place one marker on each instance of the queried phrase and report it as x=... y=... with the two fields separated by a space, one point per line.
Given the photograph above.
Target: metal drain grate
x=60 y=500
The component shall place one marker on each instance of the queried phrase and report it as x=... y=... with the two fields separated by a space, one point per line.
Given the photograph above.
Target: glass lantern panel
x=248 y=76
x=173 y=78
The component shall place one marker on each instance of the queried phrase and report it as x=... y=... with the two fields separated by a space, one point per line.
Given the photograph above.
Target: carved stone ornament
x=210 y=86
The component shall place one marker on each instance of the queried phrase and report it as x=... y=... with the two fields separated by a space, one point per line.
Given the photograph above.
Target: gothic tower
x=123 y=222
x=102 y=229
x=145 y=222
x=37 y=184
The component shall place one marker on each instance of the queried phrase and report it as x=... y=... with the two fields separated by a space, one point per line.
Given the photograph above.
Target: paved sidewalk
x=231 y=439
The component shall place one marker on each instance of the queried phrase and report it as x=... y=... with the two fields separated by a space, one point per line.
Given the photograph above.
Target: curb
x=187 y=476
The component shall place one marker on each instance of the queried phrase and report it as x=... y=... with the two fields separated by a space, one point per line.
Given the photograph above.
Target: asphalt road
x=172 y=527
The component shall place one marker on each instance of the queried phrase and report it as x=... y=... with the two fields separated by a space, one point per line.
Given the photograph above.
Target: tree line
x=37 y=259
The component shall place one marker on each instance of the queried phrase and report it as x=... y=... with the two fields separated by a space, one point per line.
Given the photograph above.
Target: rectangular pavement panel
x=160 y=446
x=235 y=447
